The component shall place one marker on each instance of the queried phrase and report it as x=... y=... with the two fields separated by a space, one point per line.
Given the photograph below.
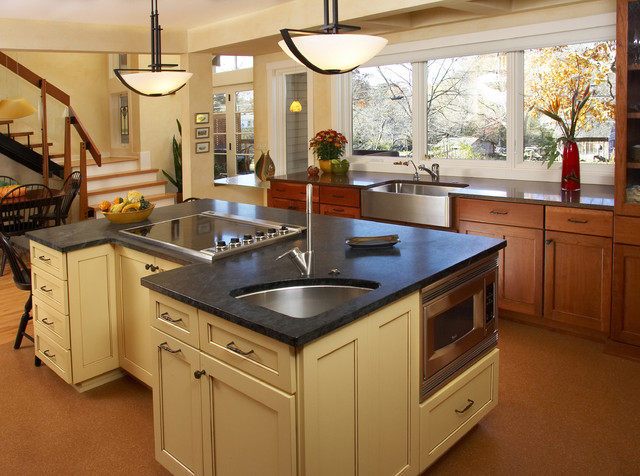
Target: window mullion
x=515 y=108
x=419 y=116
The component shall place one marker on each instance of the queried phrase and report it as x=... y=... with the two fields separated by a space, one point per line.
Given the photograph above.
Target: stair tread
x=127 y=187
x=39 y=145
x=20 y=134
x=121 y=174
x=105 y=160
x=152 y=198
x=6 y=121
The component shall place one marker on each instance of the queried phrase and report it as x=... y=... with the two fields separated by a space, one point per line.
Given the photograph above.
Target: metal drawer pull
x=471 y=402
x=337 y=196
x=151 y=267
x=232 y=347
x=494 y=212
x=338 y=209
x=44 y=321
x=165 y=346
x=573 y=220
x=199 y=373
x=51 y=356
x=167 y=317
x=45 y=290
x=42 y=258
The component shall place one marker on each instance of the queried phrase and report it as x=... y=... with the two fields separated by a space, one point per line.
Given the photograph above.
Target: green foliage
x=177 y=161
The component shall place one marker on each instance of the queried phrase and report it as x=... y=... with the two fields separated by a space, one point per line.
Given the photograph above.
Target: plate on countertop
x=372 y=242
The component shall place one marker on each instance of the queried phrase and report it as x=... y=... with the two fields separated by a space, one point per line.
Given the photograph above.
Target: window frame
x=511 y=41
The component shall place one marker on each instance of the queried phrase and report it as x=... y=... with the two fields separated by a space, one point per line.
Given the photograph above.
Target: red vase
x=570 y=167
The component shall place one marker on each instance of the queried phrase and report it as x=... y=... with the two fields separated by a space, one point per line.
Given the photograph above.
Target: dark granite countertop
x=522 y=191
x=421 y=257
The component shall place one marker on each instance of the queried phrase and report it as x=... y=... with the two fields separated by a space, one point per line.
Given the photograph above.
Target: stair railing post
x=84 y=201
x=45 y=139
x=67 y=146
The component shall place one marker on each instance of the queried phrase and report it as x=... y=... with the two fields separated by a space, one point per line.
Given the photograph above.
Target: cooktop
x=212 y=235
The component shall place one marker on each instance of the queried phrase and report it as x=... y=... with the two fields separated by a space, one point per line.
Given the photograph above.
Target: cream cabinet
x=74 y=304
x=133 y=309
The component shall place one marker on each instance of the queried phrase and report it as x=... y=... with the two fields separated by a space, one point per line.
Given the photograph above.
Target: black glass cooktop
x=213 y=235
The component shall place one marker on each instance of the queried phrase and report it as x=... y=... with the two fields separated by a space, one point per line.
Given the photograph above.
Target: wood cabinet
x=340 y=201
x=625 y=320
x=327 y=200
x=578 y=267
x=75 y=327
x=291 y=196
x=521 y=264
x=133 y=310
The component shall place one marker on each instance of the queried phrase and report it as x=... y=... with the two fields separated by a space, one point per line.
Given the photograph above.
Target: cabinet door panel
x=625 y=320
x=521 y=265
x=177 y=414
x=578 y=279
x=249 y=426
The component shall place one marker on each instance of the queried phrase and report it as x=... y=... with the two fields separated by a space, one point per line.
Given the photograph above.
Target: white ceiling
x=180 y=14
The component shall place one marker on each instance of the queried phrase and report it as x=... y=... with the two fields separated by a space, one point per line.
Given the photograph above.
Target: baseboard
x=619 y=349
x=555 y=326
x=99 y=380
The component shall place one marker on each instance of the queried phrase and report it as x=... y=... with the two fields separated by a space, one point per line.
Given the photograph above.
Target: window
x=223 y=63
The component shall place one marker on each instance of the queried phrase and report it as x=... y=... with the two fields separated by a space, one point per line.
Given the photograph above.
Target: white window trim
x=578 y=30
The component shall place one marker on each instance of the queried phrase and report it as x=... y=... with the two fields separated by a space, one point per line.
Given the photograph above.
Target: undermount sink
x=422 y=203
x=304 y=300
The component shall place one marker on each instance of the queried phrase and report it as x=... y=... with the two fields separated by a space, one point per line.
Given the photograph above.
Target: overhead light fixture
x=325 y=51
x=155 y=81
x=16 y=108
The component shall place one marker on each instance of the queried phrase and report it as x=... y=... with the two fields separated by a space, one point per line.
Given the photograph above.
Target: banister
x=33 y=78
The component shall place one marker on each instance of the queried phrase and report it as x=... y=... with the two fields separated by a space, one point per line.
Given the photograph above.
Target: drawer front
x=292 y=191
x=627 y=230
x=349 y=197
x=297 y=205
x=52 y=261
x=339 y=211
x=253 y=353
x=456 y=408
x=54 y=356
x=177 y=319
x=579 y=220
x=54 y=323
x=501 y=213
x=50 y=290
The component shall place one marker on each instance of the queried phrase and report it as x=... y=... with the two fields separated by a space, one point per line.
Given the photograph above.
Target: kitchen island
x=241 y=388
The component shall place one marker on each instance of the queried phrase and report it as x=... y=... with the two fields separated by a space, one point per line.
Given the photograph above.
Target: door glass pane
x=244 y=132
x=296 y=123
x=219 y=124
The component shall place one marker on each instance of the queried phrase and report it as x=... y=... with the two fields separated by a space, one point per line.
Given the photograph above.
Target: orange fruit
x=105 y=205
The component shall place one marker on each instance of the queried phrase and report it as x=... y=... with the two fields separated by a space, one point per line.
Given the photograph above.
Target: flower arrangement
x=568 y=125
x=328 y=145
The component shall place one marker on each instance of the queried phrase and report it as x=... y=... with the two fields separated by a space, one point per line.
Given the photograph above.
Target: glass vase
x=570 y=167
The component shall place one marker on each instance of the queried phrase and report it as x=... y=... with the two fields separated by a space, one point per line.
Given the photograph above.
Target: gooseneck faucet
x=416 y=175
x=304 y=260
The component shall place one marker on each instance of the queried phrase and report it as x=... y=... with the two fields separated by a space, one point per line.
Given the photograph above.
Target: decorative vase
x=264 y=167
x=570 y=167
x=325 y=166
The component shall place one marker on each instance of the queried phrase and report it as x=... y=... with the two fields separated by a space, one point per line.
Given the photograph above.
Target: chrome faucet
x=416 y=175
x=304 y=260
x=434 y=171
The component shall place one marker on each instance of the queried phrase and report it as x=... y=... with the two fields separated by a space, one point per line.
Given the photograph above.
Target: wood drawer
x=349 y=197
x=298 y=205
x=456 y=408
x=264 y=358
x=54 y=356
x=339 y=211
x=50 y=290
x=579 y=220
x=54 y=323
x=52 y=261
x=177 y=319
x=501 y=213
x=292 y=191
x=627 y=230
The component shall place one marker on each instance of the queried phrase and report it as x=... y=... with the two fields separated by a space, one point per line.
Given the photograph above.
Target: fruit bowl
x=129 y=217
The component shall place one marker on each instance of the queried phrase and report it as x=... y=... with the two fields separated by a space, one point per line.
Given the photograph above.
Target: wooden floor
x=12 y=307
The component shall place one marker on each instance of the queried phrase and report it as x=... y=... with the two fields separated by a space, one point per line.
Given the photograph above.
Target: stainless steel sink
x=304 y=300
x=422 y=203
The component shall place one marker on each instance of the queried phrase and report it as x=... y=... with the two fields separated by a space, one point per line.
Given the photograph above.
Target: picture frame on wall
x=202 y=147
x=202 y=132
x=202 y=118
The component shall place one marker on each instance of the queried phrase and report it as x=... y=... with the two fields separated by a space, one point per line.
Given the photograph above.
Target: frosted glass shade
x=295 y=106
x=158 y=83
x=336 y=52
x=16 y=108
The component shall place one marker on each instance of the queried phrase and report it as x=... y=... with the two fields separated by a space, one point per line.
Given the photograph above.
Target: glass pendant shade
x=334 y=53
x=155 y=83
x=295 y=106
x=16 y=108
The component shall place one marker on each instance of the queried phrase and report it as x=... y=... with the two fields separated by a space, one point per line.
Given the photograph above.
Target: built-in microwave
x=459 y=323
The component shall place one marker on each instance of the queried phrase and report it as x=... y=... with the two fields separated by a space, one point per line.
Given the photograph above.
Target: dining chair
x=22 y=209
x=6 y=180
x=61 y=208
x=22 y=280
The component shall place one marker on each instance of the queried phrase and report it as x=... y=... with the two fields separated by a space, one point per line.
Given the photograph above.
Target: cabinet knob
x=199 y=373
x=547 y=242
x=151 y=267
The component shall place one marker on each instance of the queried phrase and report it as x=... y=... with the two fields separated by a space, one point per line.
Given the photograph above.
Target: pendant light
x=325 y=51
x=15 y=108
x=295 y=104
x=155 y=81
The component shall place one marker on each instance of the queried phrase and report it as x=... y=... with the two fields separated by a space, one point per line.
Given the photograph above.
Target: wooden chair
x=22 y=280
x=6 y=180
x=61 y=208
